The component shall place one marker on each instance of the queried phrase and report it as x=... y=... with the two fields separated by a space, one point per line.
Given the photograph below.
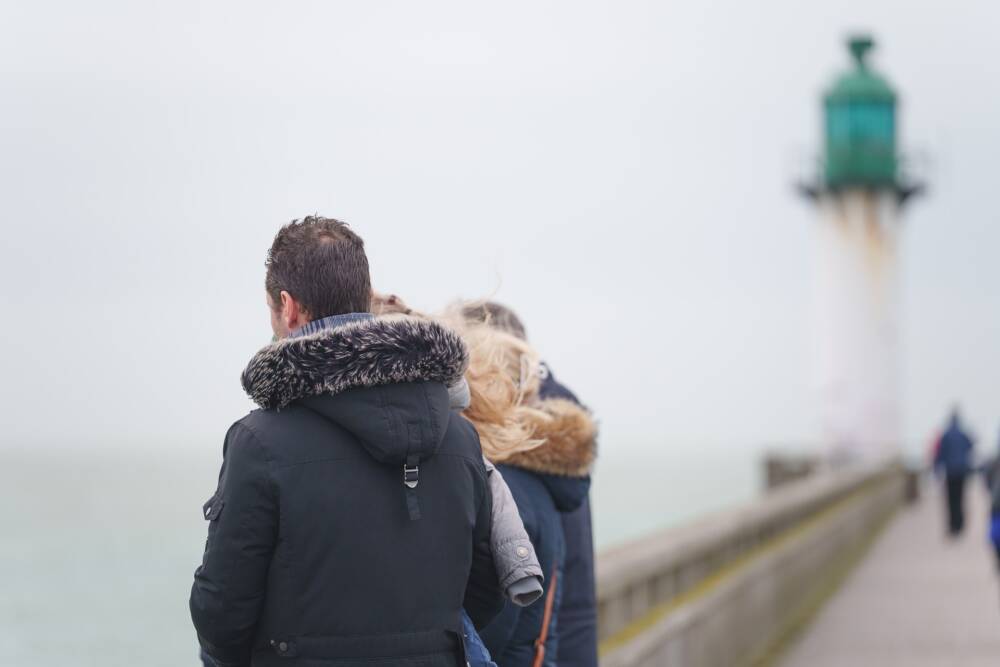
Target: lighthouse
x=858 y=193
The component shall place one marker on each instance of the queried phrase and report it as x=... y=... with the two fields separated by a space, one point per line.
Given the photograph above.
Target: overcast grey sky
x=618 y=172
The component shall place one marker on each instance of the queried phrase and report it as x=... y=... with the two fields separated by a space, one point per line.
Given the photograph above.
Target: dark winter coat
x=546 y=482
x=318 y=553
x=578 y=608
x=954 y=452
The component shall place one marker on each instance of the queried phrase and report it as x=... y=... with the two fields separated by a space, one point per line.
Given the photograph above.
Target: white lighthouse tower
x=859 y=194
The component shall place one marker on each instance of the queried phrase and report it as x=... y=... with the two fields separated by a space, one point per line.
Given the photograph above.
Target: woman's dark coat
x=578 y=610
x=546 y=483
x=318 y=553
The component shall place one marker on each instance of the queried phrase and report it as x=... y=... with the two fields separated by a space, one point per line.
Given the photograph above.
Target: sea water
x=98 y=548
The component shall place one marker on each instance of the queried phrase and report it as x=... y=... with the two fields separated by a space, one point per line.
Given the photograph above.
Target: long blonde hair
x=503 y=376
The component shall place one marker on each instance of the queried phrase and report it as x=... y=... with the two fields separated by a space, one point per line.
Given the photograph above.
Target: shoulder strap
x=550 y=600
x=411 y=477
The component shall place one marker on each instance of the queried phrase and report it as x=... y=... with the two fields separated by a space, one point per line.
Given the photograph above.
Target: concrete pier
x=733 y=589
x=917 y=599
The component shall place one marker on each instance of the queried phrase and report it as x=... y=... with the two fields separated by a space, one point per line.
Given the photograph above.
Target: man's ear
x=293 y=315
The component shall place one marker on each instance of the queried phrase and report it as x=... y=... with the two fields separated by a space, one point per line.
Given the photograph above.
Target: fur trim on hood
x=380 y=351
x=569 y=437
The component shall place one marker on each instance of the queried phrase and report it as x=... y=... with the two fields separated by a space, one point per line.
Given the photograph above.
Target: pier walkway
x=916 y=599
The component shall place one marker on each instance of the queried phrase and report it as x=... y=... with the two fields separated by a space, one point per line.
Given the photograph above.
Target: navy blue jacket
x=578 y=610
x=954 y=453
x=550 y=486
x=541 y=500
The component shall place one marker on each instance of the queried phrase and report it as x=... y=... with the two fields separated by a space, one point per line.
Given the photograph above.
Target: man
x=954 y=459
x=577 y=611
x=352 y=518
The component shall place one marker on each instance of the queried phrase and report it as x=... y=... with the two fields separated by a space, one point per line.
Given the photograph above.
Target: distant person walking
x=352 y=519
x=953 y=459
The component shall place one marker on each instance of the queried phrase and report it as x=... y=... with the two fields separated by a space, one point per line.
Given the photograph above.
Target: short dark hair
x=495 y=315
x=322 y=264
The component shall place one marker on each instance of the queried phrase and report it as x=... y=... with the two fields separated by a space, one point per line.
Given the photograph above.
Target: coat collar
x=331 y=322
x=365 y=353
x=569 y=436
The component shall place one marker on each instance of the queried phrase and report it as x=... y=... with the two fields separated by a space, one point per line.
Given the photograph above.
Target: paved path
x=917 y=599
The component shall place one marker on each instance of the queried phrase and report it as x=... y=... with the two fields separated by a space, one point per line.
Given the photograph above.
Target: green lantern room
x=860 y=126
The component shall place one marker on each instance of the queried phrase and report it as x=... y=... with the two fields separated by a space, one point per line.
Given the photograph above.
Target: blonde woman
x=557 y=470
x=544 y=447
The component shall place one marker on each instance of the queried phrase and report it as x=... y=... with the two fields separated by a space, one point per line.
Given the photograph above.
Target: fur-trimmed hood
x=369 y=353
x=570 y=441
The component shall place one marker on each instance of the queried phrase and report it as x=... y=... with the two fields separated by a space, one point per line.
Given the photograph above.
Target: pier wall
x=733 y=588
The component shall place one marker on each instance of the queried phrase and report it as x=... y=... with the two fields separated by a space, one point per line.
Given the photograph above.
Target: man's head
x=495 y=315
x=316 y=268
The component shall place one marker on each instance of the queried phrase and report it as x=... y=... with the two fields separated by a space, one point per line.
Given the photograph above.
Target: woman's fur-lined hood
x=379 y=351
x=569 y=434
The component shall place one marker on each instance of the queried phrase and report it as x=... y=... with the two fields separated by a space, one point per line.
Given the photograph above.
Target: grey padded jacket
x=517 y=565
